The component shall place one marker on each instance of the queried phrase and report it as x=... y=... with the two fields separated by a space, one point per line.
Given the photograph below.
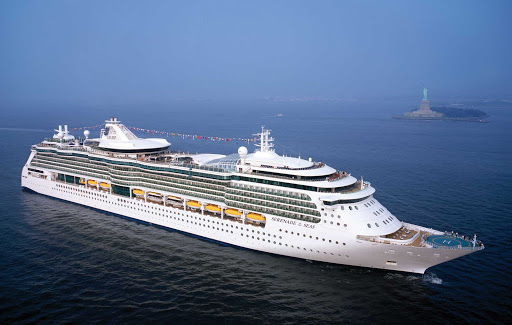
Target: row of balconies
x=273 y=205
x=298 y=196
x=272 y=198
x=89 y=169
x=280 y=213
x=177 y=189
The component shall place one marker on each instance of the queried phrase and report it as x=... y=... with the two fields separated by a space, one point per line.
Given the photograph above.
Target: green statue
x=425 y=91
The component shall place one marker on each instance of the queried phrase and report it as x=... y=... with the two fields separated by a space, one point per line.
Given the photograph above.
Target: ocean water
x=61 y=262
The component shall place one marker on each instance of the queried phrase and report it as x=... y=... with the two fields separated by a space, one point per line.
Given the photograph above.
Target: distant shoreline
x=460 y=119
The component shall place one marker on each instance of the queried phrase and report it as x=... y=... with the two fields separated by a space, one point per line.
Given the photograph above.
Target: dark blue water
x=61 y=262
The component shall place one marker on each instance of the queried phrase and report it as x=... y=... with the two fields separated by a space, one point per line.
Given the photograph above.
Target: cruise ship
x=260 y=200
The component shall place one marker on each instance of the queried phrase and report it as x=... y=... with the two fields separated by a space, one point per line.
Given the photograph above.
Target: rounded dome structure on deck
x=242 y=151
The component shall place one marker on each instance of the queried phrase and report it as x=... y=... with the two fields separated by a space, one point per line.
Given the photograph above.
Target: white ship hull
x=298 y=239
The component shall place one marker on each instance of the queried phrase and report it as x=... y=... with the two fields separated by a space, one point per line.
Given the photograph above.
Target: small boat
x=105 y=185
x=155 y=197
x=255 y=216
x=233 y=212
x=81 y=181
x=174 y=198
x=194 y=204
x=212 y=208
x=92 y=182
x=138 y=192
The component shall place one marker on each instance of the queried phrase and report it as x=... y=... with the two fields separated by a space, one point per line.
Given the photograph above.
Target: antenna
x=266 y=144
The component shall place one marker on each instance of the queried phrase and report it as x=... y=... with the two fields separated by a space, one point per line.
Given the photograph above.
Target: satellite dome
x=242 y=151
x=60 y=135
x=86 y=133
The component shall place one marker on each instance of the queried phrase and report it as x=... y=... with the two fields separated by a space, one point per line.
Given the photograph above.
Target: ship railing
x=315 y=166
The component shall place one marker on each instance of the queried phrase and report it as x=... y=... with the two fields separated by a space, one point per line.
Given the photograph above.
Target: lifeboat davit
x=92 y=182
x=255 y=216
x=212 y=208
x=194 y=204
x=233 y=212
x=105 y=185
x=138 y=192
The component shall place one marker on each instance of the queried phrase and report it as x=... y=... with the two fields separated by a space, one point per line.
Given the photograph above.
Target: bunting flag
x=173 y=134
x=87 y=127
x=190 y=136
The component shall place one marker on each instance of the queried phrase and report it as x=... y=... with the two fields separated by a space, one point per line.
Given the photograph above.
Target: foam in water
x=426 y=278
x=432 y=278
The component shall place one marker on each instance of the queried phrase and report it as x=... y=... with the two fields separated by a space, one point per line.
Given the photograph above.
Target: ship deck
x=448 y=241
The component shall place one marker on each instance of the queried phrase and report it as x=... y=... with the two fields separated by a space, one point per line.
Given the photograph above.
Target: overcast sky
x=136 y=51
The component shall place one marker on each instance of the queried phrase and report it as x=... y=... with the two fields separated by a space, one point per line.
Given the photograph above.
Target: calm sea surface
x=61 y=262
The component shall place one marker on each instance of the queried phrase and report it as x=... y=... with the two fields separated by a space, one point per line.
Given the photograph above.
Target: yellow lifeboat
x=103 y=184
x=92 y=182
x=256 y=216
x=212 y=208
x=154 y=194
x=233 y=212
x=138 y=192
x=174 y=198
x=193 y=204
x=81 y=181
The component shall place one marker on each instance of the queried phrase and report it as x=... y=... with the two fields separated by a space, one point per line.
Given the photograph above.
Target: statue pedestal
x=425 y=106
x=424 y=111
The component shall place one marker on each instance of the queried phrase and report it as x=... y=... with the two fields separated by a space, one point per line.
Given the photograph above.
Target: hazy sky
x=137 y=51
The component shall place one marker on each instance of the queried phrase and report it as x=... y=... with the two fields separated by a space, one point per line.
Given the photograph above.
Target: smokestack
x=66 y=129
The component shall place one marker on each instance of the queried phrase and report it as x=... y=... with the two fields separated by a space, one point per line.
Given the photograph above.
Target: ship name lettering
x=291 y=222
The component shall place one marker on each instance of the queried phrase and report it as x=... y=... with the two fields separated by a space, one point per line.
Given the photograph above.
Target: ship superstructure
x=260 y=200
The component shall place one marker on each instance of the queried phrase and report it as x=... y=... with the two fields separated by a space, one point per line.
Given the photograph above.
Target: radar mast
x=266 y=144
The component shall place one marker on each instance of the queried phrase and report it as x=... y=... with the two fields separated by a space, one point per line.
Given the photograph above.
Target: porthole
x=350 y=207
x=369 y=226
x=356 y=207
x=376 y=224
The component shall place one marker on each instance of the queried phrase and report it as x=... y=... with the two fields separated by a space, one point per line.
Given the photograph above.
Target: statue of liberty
x=425 y=91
